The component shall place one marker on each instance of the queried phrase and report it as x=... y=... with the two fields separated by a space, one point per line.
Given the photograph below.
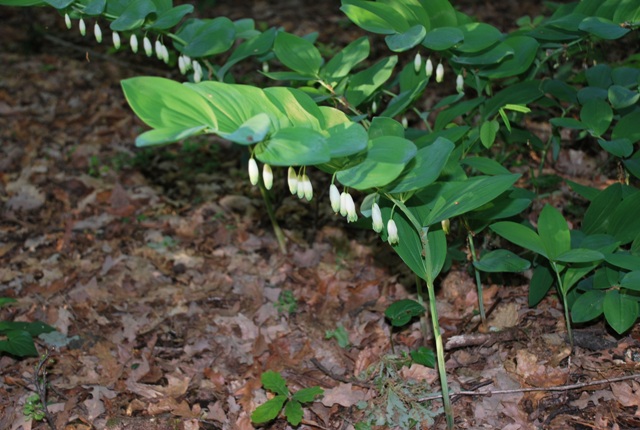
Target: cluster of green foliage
x=18 y=336
x=347 y=116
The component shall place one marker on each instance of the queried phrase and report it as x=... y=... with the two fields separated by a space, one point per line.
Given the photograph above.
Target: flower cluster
x=299 y=184
x=254 y=174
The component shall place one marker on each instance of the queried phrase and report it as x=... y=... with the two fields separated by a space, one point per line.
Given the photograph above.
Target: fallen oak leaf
x=344 y=395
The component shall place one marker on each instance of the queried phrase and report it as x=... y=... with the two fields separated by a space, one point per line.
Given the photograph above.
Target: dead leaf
x=343 y=395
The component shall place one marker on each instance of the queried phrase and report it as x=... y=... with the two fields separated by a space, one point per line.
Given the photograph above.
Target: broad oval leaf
x=404 y=41
x=440 y=39
x=402 y=311
x=251 y=131
x=273 y=381
x=363 y=84
x=162 y=136
x=588 y=306
x=580 y=255
x=478 y=36
x=631 y=280
x=170 y=18
x=19 y=343
x=553 y=232
x=520 y=235
x=298 y=54
x=293 y=146
x=133 y=16
x=596 y=115
x=603 y=28
x=206 y=37
x=502 y=260
x=268 y=410
x=620 y=310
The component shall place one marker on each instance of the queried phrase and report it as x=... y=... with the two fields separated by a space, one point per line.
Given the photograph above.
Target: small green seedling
x=33 y=408
x=283 y=400
x=287 y=303
x=339 y=334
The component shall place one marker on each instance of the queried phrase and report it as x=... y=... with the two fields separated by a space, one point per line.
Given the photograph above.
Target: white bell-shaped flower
x=392 y=232
x=439 y=73
x=376 y=217
x=67 y=21
x=267 y=176
x=254 y=173
x=460 y=83
x=133 y=41
x=292 y=180
x=334 y=197
x=148 y=49
x=352 y=215
x=115 y=37
x=308 y=188
x=417 y=62
x=343 y=203
x=97 y=32
x=428 y=68
x=82 y=27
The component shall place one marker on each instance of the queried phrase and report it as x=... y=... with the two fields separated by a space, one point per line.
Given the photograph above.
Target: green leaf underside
x=402 y=311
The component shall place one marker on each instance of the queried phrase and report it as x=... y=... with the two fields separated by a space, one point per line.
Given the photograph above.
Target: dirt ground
x=160 y=272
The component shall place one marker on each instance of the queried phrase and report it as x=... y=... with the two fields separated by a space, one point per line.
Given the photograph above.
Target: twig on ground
x=40 y=387
x=339 y=378
x=532 y=389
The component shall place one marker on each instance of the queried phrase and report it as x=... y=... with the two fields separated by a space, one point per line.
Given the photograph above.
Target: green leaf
x=274 y=382
x=525 y=49
x=339 y=334
x=620 y=310
x=342 y=63
x=424 y=168
x=163 y=103
x=553 y=231
x=6 y=300
x=19 y=343
x=621 y=97
x=171 y=17
x=298 y=54
x=596 y=218
x=375 y=17
x=401 y=42
x=33 y=328
x=385 y=159
x=346 y=139
x=133 y=16
x=402 y=311
x=363 y=84
x=631 y=280
x=162 y=136
x=293 y=412
x=588 y=306
x=251 y=131
x=618 y=147
x=268 y=410
x=623 y=260
x=440 y=39
x=488 y=132
x=541 y=282
x=489 y=56
x=94 y=7
x=596 y=115
x=624 y=223
x=309 y=394
x=437 y=243
x=410 y=246
x=424 y=356
x=284 y=148
x=580 y=255
x=502 y=260
x=599 y=76
x=603 y=28
x=478 y=36
x=568 y=123
x=255 y=46
x=485 y=165
x=520 y=235
x=206 y=37
x=627 y=127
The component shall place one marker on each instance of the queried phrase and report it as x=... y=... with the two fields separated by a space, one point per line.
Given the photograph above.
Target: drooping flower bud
x=405 y=122
x=82 y=27
x=265 y=67
x=446 y=225
x=197 y=71
x=376 y=217
x=428 y=68
x=292 y=180
x=165 y=54
x=334 y=197
x=392 y=232
x=267 y=176
x=254 y=173
x=133 y=41
x=343 y=203
x=187 y=61
x=97 y=31
x=308 y=188
x=115 y=36
x=460 y=83
x=181 y=65
x=439 y=73
x=67 y=21
x=300 y=192
x=374 y=107
x=352 y=215
x=146 y=43
x=158 y=45
x=417 y=62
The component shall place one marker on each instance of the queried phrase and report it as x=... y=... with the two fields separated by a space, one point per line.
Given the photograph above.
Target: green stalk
x=483 y=316
x=564 y=303
x=272 y=217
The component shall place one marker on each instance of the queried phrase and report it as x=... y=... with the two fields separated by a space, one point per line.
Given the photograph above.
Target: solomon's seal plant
x=422 y=175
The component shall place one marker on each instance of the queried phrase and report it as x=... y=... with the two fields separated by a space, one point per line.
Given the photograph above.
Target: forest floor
x=160 y=272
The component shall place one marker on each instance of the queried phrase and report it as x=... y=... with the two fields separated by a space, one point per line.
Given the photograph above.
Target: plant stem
x=483 y=316
x=272 y=216
x=564 y=303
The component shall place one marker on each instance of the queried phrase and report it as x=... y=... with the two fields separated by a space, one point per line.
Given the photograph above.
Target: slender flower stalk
x=428 y=68
x=115 y=36
x=439 y=73
x=392 y=232
x=82 y=27
x=267 y=176
x=292 y=180
x=67 y=21
x=97 y=31
x=254 y=173
x=376 y=217
x=334 y=197
x=133 y=41
x=146 y=43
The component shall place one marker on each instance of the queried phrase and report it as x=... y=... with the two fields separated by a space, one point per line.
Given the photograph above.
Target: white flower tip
x=67 y=21
x=292 y=180
x=115 y=36
x=343 y=203
x=133 y=41
x=97 y=31
x=265 y=67
x=254 y=173
x=460 y=83
x=267 y=176
x=334 y=197
x=428 y=68
x=405 y=122
x=181 y=65
x=352 y=215
x=376 y=217
x=308 y=188
x=417 y=62
x=374 y=107
x=392 y=232
x=82 y=27
x=146 y=43
x=439 y=73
